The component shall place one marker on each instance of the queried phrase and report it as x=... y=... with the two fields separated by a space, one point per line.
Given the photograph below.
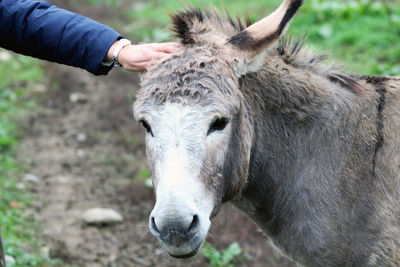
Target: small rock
x=81 y=137
x=9 y=260
x=78 y=97
x=100 y=216
x=31 y=178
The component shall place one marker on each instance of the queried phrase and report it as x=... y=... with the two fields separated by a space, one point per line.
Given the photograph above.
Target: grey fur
x=314 y=158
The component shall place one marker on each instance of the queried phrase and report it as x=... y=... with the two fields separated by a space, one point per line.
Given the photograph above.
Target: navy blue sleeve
x=40 y=29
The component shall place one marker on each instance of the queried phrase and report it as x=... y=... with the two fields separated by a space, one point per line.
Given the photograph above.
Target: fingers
x=158 y=55
x=142 y=66
x=170 y=47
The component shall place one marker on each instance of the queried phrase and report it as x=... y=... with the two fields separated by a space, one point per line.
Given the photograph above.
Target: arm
x=41 y=30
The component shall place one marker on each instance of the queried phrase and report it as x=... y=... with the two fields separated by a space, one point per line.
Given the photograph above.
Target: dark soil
x=104 y=171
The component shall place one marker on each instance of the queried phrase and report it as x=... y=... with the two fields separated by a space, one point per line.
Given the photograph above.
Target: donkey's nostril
x=174 y=229
x=194 y=225
x=154 y=226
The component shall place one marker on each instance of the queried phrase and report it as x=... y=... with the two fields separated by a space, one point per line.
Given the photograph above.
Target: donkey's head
x=199 y=129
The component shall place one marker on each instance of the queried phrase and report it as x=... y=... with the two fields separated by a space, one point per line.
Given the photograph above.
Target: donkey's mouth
x=184 y=249
x=188 y=255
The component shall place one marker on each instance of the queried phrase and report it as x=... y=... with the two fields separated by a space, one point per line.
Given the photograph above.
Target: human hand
x=140 y=57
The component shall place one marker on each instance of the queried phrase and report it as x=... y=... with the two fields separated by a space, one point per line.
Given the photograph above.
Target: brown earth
x=103 y=170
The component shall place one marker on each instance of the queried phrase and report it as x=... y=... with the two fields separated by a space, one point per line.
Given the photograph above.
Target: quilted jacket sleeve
x=40 y=29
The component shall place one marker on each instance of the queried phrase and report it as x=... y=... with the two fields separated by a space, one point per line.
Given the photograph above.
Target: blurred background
x=68 y=141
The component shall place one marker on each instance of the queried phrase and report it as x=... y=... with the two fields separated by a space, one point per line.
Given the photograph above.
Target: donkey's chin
x=187 y=249
x=184 y=254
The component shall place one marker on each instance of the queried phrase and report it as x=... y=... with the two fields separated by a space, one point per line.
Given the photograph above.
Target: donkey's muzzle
x=179 y=233
x=175 y=231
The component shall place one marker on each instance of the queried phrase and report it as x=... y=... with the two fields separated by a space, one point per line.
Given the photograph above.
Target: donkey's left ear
x=252 y=42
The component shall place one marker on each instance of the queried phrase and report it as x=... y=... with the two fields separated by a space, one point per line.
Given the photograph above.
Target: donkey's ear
x=253 y=41
x=184 y=22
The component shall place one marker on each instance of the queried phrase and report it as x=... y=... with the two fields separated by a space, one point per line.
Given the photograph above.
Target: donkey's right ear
x=252 y=42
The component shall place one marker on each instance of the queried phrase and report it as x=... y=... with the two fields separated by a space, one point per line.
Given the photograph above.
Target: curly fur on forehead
x=195 y=75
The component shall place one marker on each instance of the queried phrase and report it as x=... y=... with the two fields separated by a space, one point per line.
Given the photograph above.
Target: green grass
x=17 y=73
x=228 y=257
x=363 y=35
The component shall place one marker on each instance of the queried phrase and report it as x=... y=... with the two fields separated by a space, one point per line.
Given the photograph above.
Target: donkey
x=310 y=153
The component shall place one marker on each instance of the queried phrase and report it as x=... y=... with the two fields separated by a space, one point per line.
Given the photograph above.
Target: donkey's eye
x=218 y=125
x=146 y=126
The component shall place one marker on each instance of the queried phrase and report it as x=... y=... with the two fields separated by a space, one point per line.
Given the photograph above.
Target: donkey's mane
x=293 y=53
x=190 y=24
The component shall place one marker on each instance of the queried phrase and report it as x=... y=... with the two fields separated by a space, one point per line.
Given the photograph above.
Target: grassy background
x=363 y=35
x=17 y=74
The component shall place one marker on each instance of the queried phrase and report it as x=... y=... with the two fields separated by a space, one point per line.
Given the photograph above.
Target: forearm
x=42 y=30
x=110 y=52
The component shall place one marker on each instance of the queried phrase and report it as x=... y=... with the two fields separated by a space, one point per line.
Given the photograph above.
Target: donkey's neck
x=295 y=112
x=308 y=131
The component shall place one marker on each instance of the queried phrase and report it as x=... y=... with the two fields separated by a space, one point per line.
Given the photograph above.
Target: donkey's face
x=199 y=131
x=192 y=110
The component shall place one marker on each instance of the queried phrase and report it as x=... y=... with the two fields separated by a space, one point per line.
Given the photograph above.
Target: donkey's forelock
x=195 y=75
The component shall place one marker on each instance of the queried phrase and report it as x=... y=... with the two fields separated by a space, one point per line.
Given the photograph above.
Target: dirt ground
x=90 y=154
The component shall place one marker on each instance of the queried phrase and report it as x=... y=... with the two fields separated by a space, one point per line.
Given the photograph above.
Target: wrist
x=109 y=55
x=122 y=43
